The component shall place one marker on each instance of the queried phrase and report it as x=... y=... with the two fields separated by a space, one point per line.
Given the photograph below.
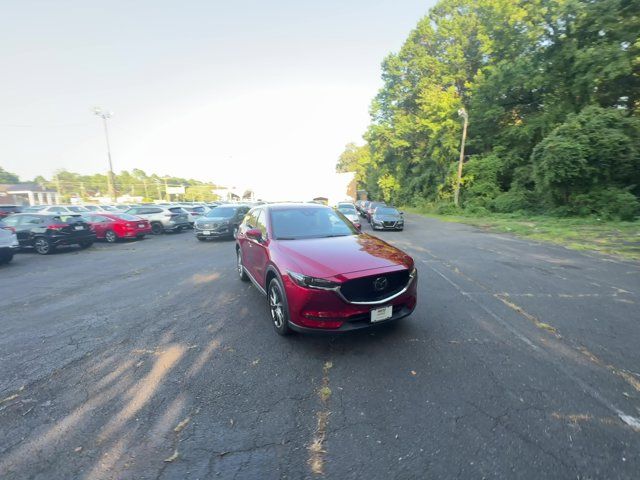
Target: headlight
x=313 y=282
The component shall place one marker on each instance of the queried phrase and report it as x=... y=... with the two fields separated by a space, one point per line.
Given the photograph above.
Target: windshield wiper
x=286 y=238
x=335 y=235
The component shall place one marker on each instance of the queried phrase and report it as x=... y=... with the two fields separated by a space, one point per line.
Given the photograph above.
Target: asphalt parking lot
x=151 y=360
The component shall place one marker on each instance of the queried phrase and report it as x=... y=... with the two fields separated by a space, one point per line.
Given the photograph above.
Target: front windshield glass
x=78 y=209
x=127 y=217
x=347 y=209
x=221 y=212
x=298 y=223
x=386 y=211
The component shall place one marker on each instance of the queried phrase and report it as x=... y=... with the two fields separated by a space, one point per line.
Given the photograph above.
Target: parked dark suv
x=46 y=232
x=220 y=221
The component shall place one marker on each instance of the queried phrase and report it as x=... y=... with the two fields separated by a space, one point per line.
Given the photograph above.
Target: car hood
x=330 y=257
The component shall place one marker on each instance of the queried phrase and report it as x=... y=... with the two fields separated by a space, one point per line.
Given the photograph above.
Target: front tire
x=202 y=239
x=240 y=267
x=110 y=236
x=86 y=244
x=278 y=307
x=43 y=246
x=4 y=259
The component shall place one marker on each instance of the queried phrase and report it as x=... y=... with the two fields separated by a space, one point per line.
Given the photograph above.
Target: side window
x=32 y=221
x=11 y=221
x=153 y=210
x=261 y=224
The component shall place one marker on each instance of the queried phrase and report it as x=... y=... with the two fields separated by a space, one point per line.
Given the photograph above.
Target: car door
x=27 y=226
x=99 y=224
x=261 y=250
x=247 y=246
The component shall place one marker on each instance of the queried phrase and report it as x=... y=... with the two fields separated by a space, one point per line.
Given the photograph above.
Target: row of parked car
x=380 y=215
x=46 y=227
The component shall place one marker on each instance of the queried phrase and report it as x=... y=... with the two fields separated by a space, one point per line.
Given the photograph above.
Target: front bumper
x=220 y=231
x=312 y=310
x=382 y=226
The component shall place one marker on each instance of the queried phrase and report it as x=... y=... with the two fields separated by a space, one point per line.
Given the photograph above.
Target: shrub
x=448 y=209
x=608 y=203
x=512 y=201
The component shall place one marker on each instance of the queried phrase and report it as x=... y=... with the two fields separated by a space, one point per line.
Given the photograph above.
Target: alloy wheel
x=275 y=305
x=42 y=246
x=110 y=236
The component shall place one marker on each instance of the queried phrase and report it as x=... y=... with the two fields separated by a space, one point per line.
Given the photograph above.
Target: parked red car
x=320 y=273
x=114 y=226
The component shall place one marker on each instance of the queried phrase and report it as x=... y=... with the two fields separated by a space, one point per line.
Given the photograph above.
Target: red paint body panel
x=338 y=259
x=122 y=228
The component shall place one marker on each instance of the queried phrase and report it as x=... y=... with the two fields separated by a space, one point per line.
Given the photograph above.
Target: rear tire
x=140 y=237
x=43 y=246
x=278 y=307
x=240 y=267
x=4 y=259
x=157 y=228
x=110 y=236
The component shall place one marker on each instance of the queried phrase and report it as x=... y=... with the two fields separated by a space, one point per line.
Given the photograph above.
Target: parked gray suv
x=220 y=221
x=162 y=218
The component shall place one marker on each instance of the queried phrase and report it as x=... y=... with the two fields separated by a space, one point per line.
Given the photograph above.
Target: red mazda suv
x=319 y=272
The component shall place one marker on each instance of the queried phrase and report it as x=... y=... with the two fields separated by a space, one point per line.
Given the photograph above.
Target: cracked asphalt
x=151 y=360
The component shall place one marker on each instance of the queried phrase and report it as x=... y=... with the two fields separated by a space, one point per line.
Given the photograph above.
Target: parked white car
x=8 y=244
x=63 y=209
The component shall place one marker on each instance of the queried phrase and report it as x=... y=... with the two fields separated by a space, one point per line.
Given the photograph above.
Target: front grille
x=364 y=289
x=389 y=224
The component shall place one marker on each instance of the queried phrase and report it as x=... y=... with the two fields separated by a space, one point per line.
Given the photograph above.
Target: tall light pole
x=111 y=183
x=462 y=113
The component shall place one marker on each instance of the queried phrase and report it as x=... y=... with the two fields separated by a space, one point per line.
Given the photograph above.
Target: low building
x=28 y=194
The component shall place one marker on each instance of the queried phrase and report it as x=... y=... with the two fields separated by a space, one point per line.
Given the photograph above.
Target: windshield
x=221 y=212
x=297 y=223
x=78 y=209
x=347 y=209
x=386 y=211
x=126 y=216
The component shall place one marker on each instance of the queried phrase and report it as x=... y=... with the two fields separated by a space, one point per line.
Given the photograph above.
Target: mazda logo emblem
x=380 y=283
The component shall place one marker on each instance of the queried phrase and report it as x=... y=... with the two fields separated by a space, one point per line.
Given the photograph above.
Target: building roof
x=24 y=187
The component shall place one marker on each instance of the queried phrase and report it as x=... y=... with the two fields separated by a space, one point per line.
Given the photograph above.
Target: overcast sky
x=244 y=93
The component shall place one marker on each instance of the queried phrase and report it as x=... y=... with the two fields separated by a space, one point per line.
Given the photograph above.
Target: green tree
x=8 y=177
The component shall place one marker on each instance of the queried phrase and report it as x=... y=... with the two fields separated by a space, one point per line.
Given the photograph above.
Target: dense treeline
x=136 y=183
x=552 y=90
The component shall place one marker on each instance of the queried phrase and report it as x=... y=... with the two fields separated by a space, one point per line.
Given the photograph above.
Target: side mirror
x=254 y=234
x=401 y=213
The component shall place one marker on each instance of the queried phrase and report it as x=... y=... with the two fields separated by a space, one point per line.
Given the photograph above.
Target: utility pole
x=462 y=113
x=146 y=193
x=111 y=183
